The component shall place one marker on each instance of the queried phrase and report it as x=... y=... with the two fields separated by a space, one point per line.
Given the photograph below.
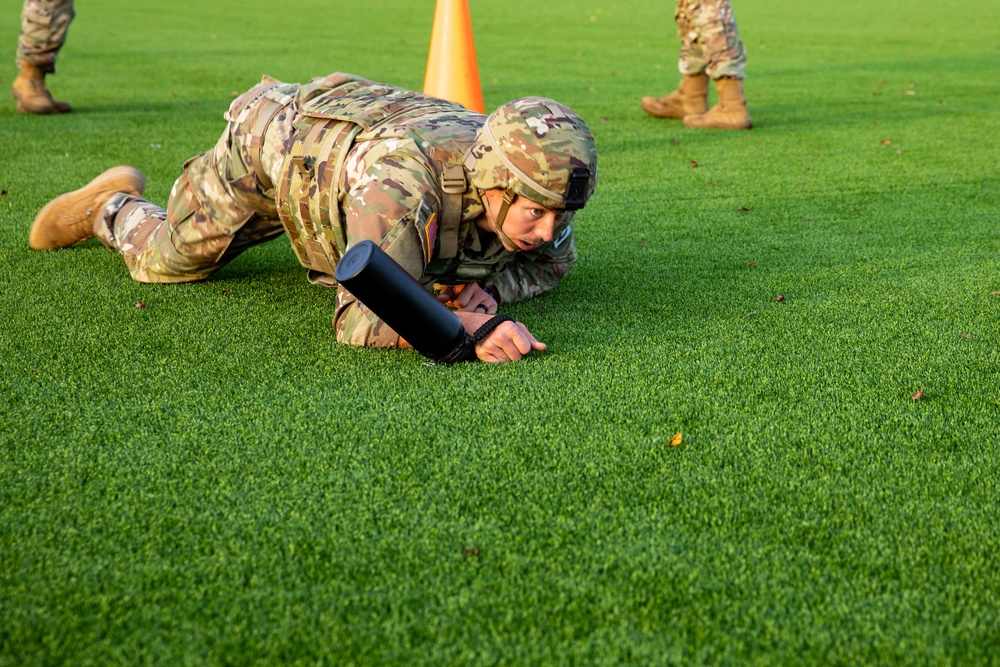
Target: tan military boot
x=689 y=98
x=31 y=95
x=70 y=218
x=730 y=113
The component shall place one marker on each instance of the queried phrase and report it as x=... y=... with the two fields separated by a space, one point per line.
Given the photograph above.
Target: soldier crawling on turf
x=481 y=207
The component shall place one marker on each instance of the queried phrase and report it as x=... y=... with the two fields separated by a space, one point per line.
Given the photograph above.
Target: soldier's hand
x=511 y=341
x=470 y=298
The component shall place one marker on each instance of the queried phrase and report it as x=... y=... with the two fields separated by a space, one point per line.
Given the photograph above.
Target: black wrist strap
x=483 y=332
x=465 y=351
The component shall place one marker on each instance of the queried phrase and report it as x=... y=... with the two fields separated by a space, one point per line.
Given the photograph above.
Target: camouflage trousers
x=710 y=41
x=221 y=205
x=43 y=30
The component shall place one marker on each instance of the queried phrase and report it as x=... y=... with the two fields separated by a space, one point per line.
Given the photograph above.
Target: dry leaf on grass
x=676 y=440
x=917 y=396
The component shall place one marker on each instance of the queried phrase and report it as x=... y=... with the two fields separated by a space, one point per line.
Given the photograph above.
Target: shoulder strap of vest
x=453 y=185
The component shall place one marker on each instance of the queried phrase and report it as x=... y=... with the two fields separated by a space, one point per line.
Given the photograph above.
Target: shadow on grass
x=166 y=108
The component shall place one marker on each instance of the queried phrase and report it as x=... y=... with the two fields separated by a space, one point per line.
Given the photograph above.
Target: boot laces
x=37 y=86
x=78 y=217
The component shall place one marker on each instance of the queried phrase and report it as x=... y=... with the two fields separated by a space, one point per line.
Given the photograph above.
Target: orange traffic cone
x=452 y=72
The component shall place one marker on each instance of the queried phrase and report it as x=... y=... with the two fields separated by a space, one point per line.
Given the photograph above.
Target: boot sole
x=42 y=111
x=654 y=107
x=114 y=180
x=716 y=121
x=720 y=126
x=39 y=111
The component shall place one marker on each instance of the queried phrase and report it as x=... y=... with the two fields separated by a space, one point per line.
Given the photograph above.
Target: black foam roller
x=385 y=287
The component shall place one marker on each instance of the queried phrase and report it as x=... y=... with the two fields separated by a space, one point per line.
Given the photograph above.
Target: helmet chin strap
x=508 y=198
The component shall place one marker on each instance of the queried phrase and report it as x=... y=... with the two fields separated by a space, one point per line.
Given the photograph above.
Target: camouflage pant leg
x=710 y=40
x=43 y=30
x=215 y=212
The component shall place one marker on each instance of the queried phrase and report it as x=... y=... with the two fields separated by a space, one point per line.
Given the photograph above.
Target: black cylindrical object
x=401 y=302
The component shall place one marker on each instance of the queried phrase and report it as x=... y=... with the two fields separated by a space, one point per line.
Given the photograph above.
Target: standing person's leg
x=723 y=58
x=690 y=97
x=44 y=24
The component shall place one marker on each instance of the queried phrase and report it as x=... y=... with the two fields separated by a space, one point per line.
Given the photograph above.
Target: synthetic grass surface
x=211 y=479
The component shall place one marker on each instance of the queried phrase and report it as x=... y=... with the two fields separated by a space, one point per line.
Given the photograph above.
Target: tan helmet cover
x=537 y=148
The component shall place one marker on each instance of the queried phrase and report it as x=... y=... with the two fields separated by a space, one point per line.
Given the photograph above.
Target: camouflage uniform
x=43 y=30
x=710 y=41
x=333 y=162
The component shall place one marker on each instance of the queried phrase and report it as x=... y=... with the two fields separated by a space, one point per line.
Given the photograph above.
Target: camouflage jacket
x=366 y=162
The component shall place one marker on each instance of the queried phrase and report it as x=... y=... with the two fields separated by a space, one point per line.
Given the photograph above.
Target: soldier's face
x=526 y=224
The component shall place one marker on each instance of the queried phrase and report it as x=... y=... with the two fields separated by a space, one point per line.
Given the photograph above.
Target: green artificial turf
x=211 y=479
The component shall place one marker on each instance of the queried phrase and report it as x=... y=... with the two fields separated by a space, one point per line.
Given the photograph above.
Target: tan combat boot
x=31 y=95
x=730 y=113
x=71 y=217
x=689 y=98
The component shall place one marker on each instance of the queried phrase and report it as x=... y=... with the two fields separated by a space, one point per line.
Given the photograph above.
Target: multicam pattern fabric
x=216 y=211
x=44 y=24
x=228 y=199
x=396 y=144
x=710 y=41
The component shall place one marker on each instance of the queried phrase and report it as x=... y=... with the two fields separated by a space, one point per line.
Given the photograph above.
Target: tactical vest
x=331 y=121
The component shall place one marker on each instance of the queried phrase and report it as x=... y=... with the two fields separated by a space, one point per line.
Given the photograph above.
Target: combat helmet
x=537 y=148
